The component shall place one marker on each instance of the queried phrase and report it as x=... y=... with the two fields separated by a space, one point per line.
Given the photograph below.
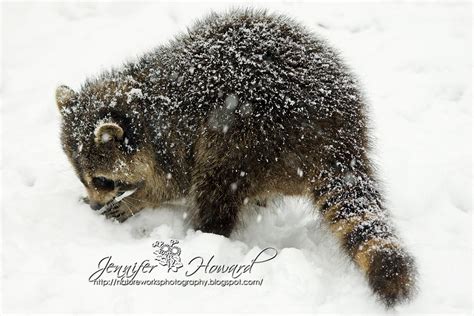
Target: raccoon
x=244 y=106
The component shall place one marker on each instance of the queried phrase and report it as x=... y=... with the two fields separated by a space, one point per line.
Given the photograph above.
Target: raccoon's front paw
x=119 y=212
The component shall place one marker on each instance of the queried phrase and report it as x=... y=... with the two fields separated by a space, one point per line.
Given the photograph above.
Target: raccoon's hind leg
x=220 y=183
x=352 y=206
x=219 y=194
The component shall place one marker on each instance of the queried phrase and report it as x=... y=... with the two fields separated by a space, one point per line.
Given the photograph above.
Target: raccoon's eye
x=102 y=183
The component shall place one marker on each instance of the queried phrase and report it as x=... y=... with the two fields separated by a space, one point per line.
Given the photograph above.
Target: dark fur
x=244 y=106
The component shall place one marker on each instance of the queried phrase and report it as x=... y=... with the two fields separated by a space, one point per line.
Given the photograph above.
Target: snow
x=105 y=137
x=124 y=195
x=231 y=102
x=299 y=172
x=413 y=61
x=134 y=93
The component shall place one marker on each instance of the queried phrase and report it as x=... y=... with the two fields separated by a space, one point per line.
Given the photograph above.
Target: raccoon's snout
x=93 y=205
x=96 y=206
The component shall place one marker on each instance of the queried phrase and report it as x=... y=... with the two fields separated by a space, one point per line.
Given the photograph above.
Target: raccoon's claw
x=117 y=213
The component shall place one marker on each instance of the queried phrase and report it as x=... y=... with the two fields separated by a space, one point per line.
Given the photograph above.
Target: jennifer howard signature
x=236 y=270
x=106 y=267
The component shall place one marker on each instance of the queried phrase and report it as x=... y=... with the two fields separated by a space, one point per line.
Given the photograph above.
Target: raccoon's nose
x=95 y=206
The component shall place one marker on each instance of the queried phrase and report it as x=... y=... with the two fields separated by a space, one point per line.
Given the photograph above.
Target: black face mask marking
x=102 y=183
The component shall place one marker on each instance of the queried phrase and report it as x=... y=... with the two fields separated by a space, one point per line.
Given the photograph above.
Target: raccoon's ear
x=64 y=96
x=106 y=132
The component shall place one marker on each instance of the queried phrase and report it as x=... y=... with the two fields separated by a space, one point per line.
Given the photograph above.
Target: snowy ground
x=414 y=61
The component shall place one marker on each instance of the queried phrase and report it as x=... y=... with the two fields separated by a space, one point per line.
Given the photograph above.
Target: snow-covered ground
x=415 y=63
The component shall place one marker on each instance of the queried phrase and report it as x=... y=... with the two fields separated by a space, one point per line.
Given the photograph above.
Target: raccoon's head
x=103 y=137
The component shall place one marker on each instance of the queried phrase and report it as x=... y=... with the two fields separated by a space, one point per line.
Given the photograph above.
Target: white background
x=414 y=61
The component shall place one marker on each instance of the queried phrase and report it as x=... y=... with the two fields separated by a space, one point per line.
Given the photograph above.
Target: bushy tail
x=352 y=206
